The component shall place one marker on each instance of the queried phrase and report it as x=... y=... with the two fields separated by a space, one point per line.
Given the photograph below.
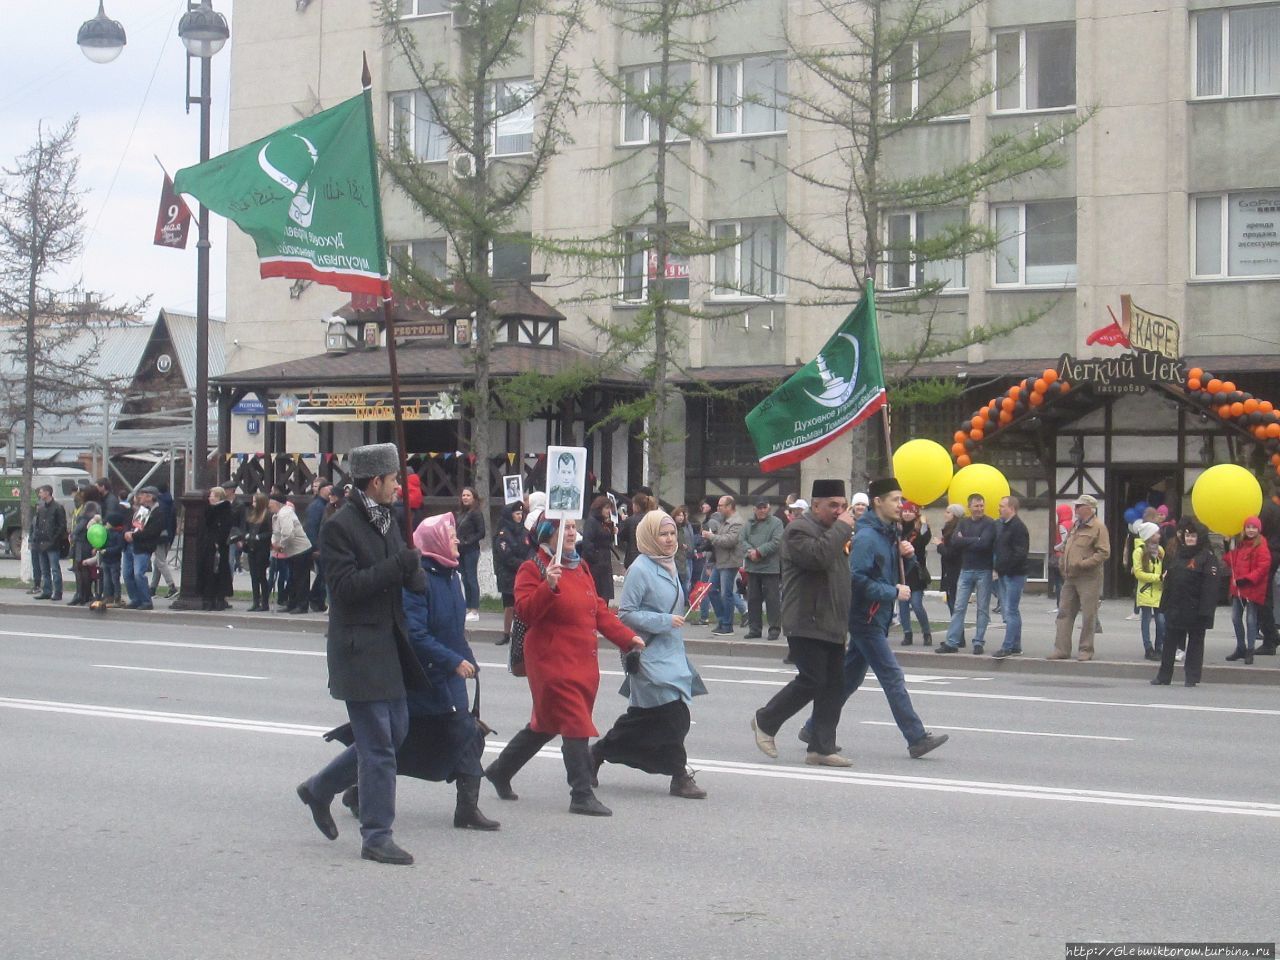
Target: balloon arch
x=1256 y=420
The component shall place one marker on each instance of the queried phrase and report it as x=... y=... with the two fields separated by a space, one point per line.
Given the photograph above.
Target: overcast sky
x=131 y=110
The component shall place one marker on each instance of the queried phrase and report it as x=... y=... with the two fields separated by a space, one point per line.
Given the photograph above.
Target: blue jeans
x=724 y=602
x=378 y=728
x=869 y=647
x=916 y=603
x=50 y=562
x=1244 y=615
x=110 y=570
x=1149 y=614
x=469 y=563
x=969 y=579
x=136 y=566
x=1010 y=599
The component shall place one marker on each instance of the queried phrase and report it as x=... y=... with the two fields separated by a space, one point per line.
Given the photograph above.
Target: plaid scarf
x=379 y=515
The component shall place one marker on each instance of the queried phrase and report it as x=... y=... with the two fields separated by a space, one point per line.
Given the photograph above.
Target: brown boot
x=683 y=785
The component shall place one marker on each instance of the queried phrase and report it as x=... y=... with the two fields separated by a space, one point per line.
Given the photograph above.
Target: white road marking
x=769 y=771
x=188 y=673
x=165 y=643
x=787 y=671
x=1015 y=733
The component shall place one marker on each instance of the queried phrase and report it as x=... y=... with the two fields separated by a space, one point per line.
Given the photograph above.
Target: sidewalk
x=1118 y=650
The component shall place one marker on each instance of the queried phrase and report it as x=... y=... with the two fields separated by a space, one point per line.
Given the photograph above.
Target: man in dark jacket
x=815 y=617
x=1013 y=543
x=48 y=536
x=877 y=575
x=162 y=562
x=762 y=540
x=142 y=540
x=975 y=540
x=371 y=663
x=311 y=524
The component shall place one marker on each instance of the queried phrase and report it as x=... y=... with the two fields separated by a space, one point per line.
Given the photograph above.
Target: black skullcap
x=883 y=487
x=827 y=488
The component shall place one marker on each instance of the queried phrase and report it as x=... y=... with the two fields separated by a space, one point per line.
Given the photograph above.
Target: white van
x=65 y=482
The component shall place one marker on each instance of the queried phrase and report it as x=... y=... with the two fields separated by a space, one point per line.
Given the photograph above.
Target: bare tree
x=54 y=331
x=474 y=105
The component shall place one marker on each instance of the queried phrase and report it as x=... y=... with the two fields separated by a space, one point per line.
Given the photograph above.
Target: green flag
x=308 y=196
x=837 y=390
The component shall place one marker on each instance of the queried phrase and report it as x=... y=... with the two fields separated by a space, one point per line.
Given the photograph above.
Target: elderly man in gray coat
x=371 y=664
x=762 y=539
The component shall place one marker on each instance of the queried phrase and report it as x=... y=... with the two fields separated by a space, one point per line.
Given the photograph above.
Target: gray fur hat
x=373 y=460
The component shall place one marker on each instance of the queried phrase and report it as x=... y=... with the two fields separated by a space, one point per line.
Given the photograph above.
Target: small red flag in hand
x=698 y=594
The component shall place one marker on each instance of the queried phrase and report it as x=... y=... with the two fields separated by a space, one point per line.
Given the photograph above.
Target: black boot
x=577 y=767
x=907 y=640
x=467 y=811
x=928 y=639
x=520 y=750
x=506 y=638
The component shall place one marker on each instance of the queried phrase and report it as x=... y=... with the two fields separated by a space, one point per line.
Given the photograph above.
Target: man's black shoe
x=1264 y=651
x=946 y=648
x=387 y=852
x=319 y=812
x=319 y=608
x=930 y=741
x=1002 y=653
x=751 y=636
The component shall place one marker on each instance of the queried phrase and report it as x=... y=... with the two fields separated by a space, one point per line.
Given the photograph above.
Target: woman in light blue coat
x=660 y=680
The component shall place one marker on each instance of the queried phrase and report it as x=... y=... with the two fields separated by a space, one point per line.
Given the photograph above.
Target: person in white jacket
x=289 y=539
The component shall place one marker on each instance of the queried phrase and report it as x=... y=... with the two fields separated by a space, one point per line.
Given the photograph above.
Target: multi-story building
x=1169 y=194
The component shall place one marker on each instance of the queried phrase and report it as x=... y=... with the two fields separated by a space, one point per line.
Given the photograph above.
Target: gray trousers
x=162 y=564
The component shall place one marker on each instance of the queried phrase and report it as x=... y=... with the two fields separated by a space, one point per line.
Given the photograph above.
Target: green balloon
x=97 y=536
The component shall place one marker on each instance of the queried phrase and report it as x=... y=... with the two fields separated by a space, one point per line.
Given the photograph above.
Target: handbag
x=515 y=660
x=485 y=729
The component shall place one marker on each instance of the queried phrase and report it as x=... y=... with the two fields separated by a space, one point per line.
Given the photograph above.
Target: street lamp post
x=203 y=32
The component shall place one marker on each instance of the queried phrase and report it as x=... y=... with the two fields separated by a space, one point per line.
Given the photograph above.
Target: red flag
x=1112 y=335
x=174 y=219
x=698 y=594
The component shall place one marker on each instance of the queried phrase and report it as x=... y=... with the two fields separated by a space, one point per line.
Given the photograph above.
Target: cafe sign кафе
x=1154 y=355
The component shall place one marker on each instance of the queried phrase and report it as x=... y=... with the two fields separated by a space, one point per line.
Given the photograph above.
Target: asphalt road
x=148 y=811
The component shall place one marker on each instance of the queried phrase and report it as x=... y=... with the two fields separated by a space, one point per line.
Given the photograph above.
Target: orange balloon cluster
x=1001 y=411
x=1259 y=417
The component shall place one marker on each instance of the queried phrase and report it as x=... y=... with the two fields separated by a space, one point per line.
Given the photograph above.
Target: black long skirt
x=649 y=738
x=439 y=747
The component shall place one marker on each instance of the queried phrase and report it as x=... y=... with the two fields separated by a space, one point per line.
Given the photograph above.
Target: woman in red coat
x=1250 y=566
x=562 y=613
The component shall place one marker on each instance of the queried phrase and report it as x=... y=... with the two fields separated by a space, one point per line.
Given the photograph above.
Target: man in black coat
x=48 y=537
x=1013 y=544
x=311 y=524
x=371 y=664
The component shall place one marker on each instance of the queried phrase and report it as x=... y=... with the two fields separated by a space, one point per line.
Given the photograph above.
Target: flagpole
x=397 y=410
x=884 y=410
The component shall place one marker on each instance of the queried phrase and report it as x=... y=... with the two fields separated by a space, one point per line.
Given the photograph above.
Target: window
x=1037 y=243
x=1036 y=68
x=429 y=257
x=415 y=127
x=640 y=268
x=510 y=257
x=512 y=104
x=637 y=125
x=1237 y=52
x=755 y=265
x=930 y=77
x=1236 y=234
x=908 y=234
x=421 y=8
x=751 y=96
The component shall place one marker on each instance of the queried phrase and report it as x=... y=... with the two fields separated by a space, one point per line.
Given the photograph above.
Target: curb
x=915 y=661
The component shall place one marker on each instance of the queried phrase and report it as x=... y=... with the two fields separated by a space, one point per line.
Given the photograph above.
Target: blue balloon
x=1141 y=508
x=1131 y=515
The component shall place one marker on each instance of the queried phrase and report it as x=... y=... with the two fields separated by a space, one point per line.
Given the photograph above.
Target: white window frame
x=1021 y=236
x=739 y=63
x=915 y=87
x=741 y=228
x=914 y=264
x=416 y=6
x=632 y=236
x=402 y=248
x=650 y=135
x=494 y=128
x=1224 y=55
x=1224 y=237
x=1022 y=107
x=417 y=98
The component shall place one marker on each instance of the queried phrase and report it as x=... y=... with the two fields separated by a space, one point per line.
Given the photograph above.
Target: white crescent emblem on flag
x=279 y=176
x=836 y=390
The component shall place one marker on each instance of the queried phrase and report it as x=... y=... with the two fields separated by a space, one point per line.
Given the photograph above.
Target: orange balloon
x=1193 y=383
x=1006 y=417
x=1007 y=404
x=977 y=422
x=963 y=461
x=1040 y=385
x=1237 y=409
x=1266 y=406
x=1014 y=392
x=1260 y=432
x=1050 y=375
x=959 y=436
x=1228 y=387
x=975 y=434
x=1273 y=430
x=1195 y=373
x=1066 y=387
x=1251 y=405
x=958 y=448
x=1036 y=399
x=1224 y=411
x=1215 y=385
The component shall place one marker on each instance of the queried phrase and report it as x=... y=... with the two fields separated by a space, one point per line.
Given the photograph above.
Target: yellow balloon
x=924 y=470
x=1223 y=496
x=980 y=478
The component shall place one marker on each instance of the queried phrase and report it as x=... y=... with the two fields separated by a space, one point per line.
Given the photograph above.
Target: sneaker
x=1151 y=655
x=473 y=616
x=1054 y=610
x=946 y=648
x=979 y=649
x=1180 y=656
x=827 y=760
x=930 y=741
x=765 y=742
x=722 y=632
x=751 y=636
x=1002 y=653
x=1134 y=616
x=171 y=592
